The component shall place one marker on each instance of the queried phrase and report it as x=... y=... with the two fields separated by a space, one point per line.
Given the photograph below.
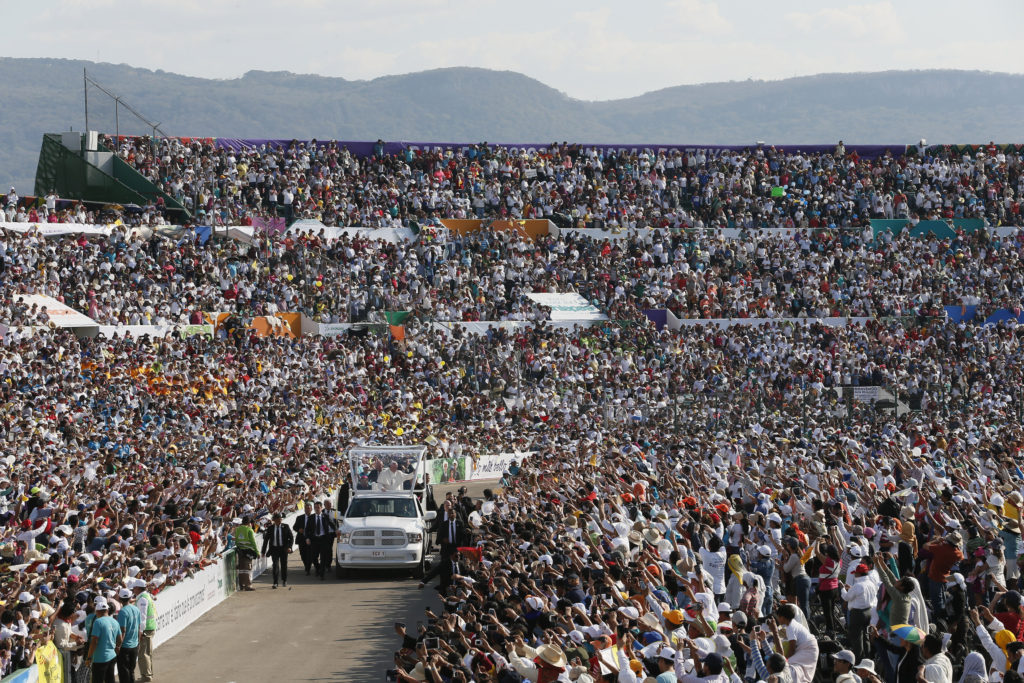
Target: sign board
x=568 y=306
x=183 y=603
x=465 y=468
x=865 y=394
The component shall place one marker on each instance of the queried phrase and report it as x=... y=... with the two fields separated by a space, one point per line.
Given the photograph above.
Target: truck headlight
x=414 y=537
x=345 y=537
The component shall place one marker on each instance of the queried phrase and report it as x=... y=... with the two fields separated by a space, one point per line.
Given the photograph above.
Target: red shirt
x=828 y=575
x=944 y=556
x=1012 y=622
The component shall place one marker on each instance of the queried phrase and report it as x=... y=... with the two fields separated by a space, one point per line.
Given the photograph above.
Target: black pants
x=857 y=633
x=324 y=547
x=305 y=553
x=829 y=599
x=279 y=564
x=126 y=659
x=103 y=672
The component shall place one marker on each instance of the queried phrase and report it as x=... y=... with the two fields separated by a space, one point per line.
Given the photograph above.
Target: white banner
x=492 y=466
x=567 y=307
x=154 y=331
x=134 y=331
x=865 y=394
x=509 y=325
x=57 y=229
x=183 y=603
x=311 y=227
x=334 y=329
x=60 y=315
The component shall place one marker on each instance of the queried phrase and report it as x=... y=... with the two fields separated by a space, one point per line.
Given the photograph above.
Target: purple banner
x=364 y=148
x=658 y=316
x=270 y=226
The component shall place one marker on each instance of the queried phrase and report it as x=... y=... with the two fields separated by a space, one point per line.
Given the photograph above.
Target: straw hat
x=552 y=654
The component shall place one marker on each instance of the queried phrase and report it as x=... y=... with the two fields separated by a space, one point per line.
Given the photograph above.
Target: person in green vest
x=246 y=551
x=146 y=604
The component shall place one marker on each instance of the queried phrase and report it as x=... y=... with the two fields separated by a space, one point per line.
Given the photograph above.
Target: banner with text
x=183 y=603
x=465 y=468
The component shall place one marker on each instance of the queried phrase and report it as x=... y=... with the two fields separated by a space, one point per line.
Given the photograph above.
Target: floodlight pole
x=85 y=93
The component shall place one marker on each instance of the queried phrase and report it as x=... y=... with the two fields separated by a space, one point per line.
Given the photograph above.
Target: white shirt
x=861 y=595
x=392 y=481
x=938 y=669
x=714 y=564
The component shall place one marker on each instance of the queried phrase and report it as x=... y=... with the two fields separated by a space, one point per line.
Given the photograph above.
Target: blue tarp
x=959 y=314
x=203 y=233
x=1002 y=315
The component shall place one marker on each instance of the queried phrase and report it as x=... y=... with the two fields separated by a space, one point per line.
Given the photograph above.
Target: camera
x=391 y=675
x=431 y=643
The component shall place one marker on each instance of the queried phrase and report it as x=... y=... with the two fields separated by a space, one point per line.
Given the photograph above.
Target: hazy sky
x=590 y=50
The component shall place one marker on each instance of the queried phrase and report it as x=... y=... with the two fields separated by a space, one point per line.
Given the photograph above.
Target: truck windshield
x=382 y=507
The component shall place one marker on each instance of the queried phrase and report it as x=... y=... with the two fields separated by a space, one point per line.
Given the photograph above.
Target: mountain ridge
x=470 y=104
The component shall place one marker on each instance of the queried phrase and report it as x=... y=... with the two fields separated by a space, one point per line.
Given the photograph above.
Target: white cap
x=100 y=603
x=866 y=664
x=629 y=612
x=125 y=593
x=667 y=653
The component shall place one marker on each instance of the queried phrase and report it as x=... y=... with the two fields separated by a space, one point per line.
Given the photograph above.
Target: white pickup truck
x=385 y=525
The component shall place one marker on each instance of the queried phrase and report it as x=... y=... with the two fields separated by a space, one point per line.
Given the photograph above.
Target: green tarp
x=396 y=317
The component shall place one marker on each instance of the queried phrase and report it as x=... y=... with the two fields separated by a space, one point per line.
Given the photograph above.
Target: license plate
x=378 y=553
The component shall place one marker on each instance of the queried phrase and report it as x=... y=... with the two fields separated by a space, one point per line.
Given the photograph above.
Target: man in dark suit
x=320 y=528
x=305 y=551
x=333 y=514
x=278 y=539
x=343 y=496
x=449 y=526
x=447 y=568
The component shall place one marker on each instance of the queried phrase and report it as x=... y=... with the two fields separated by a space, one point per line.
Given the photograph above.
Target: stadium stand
x=659 y=450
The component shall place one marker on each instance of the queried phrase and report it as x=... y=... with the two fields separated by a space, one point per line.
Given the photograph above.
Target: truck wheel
x=420 y=569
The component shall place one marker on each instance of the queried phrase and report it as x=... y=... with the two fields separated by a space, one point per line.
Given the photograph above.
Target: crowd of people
x=591 y=186
x=137 y=459
x=141 y=278
x=703 y=503
x=737 y=542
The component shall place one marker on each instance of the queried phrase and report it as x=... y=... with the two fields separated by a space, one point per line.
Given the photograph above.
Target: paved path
x=312 y=631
